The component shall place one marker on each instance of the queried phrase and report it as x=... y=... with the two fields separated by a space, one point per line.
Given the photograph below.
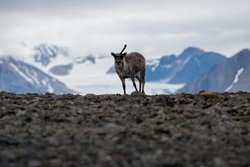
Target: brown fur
x=132 y=65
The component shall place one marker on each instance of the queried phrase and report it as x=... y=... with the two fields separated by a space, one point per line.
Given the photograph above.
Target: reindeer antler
x=123 y=48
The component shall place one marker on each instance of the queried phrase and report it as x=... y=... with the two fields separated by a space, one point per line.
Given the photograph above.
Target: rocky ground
x=134 y=130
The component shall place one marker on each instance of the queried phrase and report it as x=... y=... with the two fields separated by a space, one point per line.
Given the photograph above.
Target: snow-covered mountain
x=48 y=56
x=87 y=74
x=180 y=70
x=19 y=77
x=184 y=68
x=95 y=73
x=231 y=75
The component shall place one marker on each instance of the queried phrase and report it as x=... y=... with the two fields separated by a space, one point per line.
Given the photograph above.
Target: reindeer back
x=134 y=62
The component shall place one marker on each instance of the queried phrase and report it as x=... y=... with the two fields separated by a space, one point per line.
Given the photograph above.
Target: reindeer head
x=119 y=56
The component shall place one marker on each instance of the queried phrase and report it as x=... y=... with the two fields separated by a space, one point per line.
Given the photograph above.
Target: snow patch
x=44 y=82
x=198 y=62
x=154 y=63
x=33 y=76
x=50 y=88
x=21 y=73
x=236 y=79
x=167 y=66
x=152 y=88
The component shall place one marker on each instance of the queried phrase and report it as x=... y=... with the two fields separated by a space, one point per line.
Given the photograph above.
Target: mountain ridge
x=183 y=68
x=19 y=77
x=230 y=75
x=165 y=75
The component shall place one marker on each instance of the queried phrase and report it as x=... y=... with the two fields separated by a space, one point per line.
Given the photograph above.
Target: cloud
x=151 y=27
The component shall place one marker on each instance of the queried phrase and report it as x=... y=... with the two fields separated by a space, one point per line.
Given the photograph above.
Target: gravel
x=191 y=130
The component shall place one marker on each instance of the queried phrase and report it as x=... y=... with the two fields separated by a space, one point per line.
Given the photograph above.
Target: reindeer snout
x=118 y=62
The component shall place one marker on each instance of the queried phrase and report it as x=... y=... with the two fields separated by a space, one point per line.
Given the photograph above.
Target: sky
x=154 y=28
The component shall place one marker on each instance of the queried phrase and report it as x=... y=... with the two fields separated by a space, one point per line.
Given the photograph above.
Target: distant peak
x=45 y=52
x=191 y=51
x=244 y=51
x=242 y=58
x=48 y=48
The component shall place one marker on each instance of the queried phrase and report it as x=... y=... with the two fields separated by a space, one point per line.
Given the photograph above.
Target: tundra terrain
x=193 y=130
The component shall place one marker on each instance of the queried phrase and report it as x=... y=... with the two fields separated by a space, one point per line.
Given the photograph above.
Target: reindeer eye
x=118 y=62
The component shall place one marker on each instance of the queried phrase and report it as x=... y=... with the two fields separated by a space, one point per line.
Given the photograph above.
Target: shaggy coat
x=132 y=65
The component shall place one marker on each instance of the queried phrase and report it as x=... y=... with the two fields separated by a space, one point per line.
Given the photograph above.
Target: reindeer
x=131 y=66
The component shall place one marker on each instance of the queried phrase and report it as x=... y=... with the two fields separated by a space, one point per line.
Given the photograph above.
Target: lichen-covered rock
x=125 y=130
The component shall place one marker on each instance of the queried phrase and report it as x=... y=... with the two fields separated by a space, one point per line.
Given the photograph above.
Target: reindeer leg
x=139 y=79
x=143 y=80
x=123 y=84
x=143 y=84
x=133 y=80
x=140 y=86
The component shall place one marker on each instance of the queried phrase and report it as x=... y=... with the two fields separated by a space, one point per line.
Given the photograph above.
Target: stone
x=34 y=163
x=124 y=130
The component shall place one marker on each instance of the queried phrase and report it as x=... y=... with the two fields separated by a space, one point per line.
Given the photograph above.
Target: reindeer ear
x=113 y=54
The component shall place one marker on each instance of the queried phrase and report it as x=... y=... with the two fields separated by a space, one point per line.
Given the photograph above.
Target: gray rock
x=113 y=128
x=124 y=130
x=34 y=163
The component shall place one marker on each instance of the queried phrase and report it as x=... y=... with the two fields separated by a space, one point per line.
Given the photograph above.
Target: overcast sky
x=152 y=27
